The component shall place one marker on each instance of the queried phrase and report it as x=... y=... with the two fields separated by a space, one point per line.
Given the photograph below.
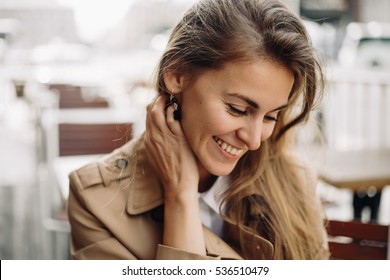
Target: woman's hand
x=172 y=158
x=168 y=150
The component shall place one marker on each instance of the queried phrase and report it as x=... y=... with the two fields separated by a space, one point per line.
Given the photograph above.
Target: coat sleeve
x=89 y=238
x=169 y=253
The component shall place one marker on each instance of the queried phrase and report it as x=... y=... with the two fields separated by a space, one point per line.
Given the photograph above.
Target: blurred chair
x=74 y=137
x=91 y=138
x=73 y=96
x=351 y=240
x=355 y=123
x=86 y=131
x=81 y=143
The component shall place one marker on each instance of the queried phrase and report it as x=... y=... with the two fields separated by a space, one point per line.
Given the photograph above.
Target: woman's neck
x=206 y=179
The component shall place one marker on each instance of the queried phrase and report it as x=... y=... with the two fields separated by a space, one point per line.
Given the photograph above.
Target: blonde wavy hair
x=272 y=193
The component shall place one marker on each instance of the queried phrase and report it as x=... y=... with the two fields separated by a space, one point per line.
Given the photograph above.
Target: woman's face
x=227 y=112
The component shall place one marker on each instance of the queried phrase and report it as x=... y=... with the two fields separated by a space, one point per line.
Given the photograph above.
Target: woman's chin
x=221 y=171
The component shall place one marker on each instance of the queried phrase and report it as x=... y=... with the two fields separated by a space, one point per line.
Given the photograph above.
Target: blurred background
x=75 y=79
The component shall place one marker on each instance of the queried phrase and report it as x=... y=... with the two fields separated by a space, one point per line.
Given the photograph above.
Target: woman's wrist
x=181 y=196
x=183 y=229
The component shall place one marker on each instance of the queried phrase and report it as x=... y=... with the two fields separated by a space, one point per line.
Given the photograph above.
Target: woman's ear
x=174 y=82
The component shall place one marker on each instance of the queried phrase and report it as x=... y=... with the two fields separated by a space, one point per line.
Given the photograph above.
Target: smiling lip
x=229 y=149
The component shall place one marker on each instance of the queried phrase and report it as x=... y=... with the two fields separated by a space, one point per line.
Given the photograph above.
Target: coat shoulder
x=113 y=166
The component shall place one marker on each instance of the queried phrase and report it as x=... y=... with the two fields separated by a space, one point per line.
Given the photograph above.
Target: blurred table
x=356 y=170
x=365 y=172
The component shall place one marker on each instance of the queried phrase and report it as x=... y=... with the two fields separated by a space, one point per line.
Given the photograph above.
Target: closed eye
x=271 y=118
x=235 y=111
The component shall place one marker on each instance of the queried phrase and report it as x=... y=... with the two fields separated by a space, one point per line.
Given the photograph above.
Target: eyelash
x=235 y=112
x=271 y=119
x=238 y=113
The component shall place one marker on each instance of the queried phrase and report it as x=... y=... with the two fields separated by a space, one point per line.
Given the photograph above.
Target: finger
x=161 y=101
x=155 y=114
x=173 y=124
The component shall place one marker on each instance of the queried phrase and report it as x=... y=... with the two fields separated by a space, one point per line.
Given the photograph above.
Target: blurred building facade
x=37 y=22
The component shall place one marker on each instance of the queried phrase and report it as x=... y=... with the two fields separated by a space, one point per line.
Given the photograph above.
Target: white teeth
x=227 y=148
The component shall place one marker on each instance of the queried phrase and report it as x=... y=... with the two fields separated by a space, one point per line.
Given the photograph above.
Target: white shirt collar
x=213 y=196
x=209 y=205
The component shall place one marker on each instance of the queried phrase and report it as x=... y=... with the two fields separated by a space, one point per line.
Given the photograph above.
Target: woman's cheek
x=267 y=131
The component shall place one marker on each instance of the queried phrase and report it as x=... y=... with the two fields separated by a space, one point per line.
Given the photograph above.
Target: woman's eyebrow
x=253 y=103
x=246 y=99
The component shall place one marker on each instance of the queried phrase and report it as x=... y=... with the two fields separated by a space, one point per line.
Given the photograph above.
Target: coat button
x=121 y=163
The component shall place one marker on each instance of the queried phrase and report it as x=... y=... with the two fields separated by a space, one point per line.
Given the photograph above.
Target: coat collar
x=130 y=166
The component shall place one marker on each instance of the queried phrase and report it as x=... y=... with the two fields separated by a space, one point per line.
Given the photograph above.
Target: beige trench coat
x=116 y=212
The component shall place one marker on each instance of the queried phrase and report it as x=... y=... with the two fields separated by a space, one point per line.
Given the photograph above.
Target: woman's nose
x=250 y=134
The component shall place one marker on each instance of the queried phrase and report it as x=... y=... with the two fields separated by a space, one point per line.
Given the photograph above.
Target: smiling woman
x=214 y=176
